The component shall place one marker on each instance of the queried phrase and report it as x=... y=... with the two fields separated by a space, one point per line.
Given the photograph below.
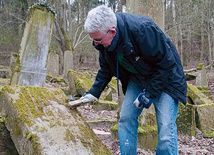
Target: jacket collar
x=127 y=46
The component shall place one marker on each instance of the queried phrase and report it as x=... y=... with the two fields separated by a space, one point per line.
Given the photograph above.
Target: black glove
x=143 y=101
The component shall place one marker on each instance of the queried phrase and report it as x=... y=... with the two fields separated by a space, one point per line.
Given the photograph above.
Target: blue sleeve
x=102 y=79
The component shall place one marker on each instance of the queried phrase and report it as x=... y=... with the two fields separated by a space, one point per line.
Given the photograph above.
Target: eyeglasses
x=98 y=41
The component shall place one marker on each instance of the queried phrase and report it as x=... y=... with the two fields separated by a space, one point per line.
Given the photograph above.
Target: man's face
x=103 y=38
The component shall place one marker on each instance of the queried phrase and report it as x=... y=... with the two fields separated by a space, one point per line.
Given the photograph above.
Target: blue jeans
x=166 y=109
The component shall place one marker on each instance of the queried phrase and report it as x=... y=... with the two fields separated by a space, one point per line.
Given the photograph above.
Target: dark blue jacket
x=151 y=53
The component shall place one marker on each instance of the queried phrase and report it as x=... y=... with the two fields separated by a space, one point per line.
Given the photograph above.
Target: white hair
x=100 y=19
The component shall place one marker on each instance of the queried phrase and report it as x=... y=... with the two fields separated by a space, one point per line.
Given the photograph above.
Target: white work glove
x=87 y=98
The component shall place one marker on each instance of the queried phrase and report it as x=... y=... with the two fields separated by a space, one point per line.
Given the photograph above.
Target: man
x=135 y=50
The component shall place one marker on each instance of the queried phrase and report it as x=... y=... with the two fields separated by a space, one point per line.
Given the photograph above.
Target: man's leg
x=128 y=121
x=166 y=113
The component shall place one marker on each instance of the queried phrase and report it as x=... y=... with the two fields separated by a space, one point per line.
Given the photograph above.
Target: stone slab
x=204 y=119
x=40 y=123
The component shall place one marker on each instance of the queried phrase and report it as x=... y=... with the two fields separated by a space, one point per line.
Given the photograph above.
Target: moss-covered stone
x=107 y=94
x=197 y=96
x=104 y=105
x=113 y=84
x=200 y=66
x=186 y=119
x=82 y=81
x=147 y=136
x=206 y=91
x=204 y=119
x=190 y=76
x=40 y=123
x=15 y=69
x=102 y=122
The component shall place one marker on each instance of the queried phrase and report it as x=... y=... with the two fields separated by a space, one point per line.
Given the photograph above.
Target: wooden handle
x=75 y=103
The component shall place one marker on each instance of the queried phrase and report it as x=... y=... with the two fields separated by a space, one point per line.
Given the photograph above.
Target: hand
x=87 y=98
x=143 y=101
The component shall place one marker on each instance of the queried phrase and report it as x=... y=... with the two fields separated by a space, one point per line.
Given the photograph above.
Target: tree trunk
x=151 y=8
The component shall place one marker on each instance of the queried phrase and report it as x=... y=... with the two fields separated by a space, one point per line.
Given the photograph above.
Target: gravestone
x=68 y=61
x=31 y=70
x=201 y=76
x=53 y=64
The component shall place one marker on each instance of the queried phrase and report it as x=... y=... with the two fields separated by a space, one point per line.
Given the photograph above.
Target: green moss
x=49 y=78
x=186 y=119
x=1 y=120
x=113 y=84
x=200 y=66
x=1 y=87
x=114 y=128
x=206 y=91
x=35 y=143
x=15 y=68
x=87 y=140
x=94 y=141
x=145 y=129
x=104 y=105
x=30 y=102
x=68 y=41
x=42 y=6
x=69 y=136
x=197 y=96
x=110 y=121
x=16 y=130
x=204 y=120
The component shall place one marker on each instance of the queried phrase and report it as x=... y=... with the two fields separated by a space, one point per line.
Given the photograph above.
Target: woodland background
x=188 y=23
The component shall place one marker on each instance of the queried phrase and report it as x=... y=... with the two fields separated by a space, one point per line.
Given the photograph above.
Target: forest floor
x=187 y=145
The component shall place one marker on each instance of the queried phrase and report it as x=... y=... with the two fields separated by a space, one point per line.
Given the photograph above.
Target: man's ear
x=112 y=31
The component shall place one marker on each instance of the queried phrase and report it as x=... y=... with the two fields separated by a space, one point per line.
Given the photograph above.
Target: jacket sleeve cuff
x=94 y=93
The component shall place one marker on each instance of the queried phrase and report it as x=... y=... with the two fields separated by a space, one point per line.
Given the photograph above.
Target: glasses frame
x=98 y=41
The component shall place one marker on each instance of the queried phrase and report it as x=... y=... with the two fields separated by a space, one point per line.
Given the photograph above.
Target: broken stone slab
x=147 y=130
x=148 y=133
x=147 y=136
x=40 y=123
x=190 y=76
x=107 y=95
x=206 y=91
x=186 y=119
x=197 y=96
x=81 y=81
x=204 y=118
x=102 y=122
x=105 y=105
